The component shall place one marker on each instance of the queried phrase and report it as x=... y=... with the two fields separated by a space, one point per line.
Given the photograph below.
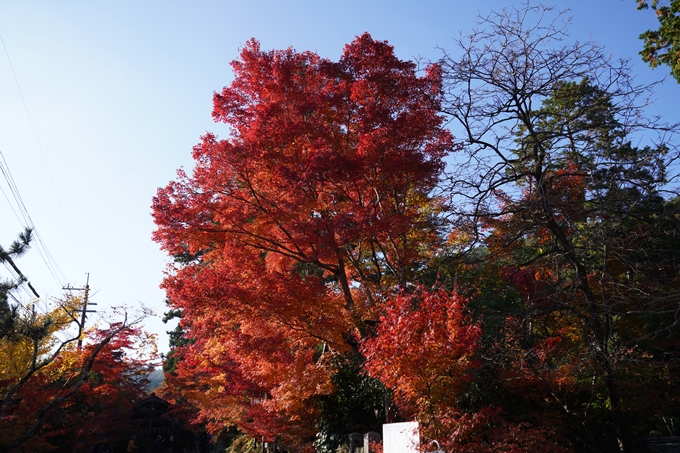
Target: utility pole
x=85 y=310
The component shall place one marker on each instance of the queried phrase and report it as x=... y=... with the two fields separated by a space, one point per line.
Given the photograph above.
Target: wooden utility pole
x=85 y=310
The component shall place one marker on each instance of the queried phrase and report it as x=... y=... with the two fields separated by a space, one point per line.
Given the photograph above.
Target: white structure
x=401 y=438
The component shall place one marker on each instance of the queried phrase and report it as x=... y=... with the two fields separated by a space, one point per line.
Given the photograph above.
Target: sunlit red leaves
x=314 y=209
x=424 y=351
x=522 y=219
x=325 y=158
x=259 y=332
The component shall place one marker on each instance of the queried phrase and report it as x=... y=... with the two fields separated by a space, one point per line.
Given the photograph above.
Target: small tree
x=41 y=372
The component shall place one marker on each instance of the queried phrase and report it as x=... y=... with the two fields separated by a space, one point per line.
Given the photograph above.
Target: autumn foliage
x=293 y=230
x=424 y=349
x=325 y=263
x=102 y=403
x=57 y=394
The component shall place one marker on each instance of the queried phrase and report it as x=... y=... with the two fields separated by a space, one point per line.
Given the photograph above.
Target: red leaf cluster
x=291 y=231
x=423 y=350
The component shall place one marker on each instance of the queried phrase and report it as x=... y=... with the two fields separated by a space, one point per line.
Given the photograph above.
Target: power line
x=9 y=293
x=27 y=222
x=7 y=198
x=42 y=154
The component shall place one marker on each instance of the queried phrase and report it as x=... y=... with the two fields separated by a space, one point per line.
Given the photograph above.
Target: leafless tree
x=548 y=125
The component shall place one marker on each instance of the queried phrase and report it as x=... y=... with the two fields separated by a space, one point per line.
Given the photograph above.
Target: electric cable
x=42 y=154
x=27 y=222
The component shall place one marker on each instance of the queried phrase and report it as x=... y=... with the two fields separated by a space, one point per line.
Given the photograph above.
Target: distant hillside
x=155 y=379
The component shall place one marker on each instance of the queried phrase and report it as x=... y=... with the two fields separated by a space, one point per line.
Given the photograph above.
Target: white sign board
x=401 y=438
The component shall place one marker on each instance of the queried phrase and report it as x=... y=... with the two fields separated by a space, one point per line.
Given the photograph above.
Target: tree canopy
x=662 y=46
x=291 y=232
x=523 y=297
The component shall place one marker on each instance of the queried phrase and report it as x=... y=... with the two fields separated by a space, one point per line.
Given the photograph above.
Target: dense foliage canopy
x=290 y=233
x=331 y=274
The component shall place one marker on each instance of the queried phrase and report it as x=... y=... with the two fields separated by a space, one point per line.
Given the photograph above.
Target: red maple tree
x=292 y=231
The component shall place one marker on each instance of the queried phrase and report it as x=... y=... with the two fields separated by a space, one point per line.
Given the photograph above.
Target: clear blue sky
x=119 y=92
